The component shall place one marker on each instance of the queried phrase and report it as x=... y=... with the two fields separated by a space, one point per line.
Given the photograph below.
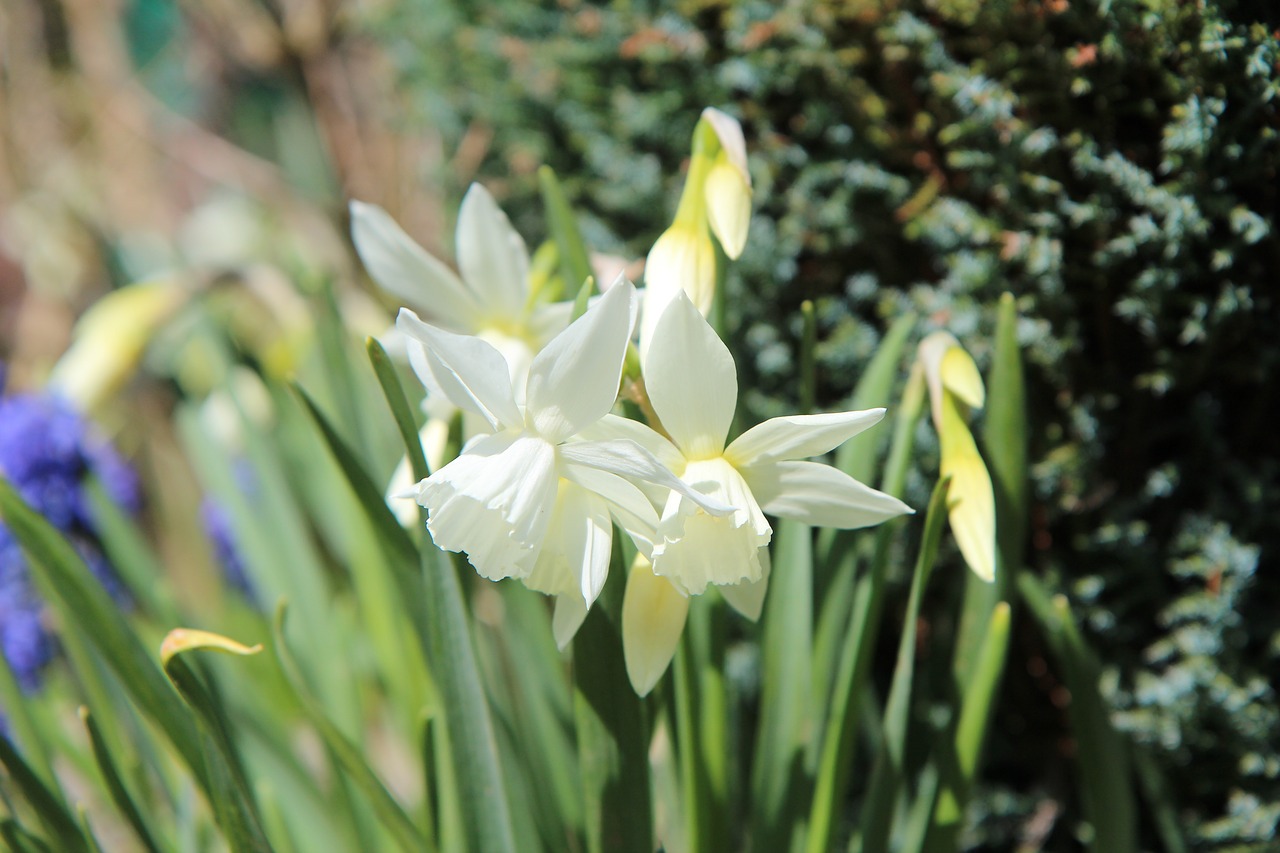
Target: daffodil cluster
x=550 y=469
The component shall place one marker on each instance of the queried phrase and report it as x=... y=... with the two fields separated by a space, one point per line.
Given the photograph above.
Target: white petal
x=798 y=436
x=627 y=504
x=682 y=260
x=494 y=502
x=574 y=557
x=820 y=495
x=612 y=427
x=469 y=371
x=404 y=269
x=748 y=597
x=630 y=460
x=573 y=382
x=729 y=132
x=400 y=494
x=653 y=616
x=492 y=256
x=728 y=207
x=691 y=380
x=569 y=615
x=695 y=549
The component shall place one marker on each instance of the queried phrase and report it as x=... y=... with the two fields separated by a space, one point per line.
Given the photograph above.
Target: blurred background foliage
x=1113 y=164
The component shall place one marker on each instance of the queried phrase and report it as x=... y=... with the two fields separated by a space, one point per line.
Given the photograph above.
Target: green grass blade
x=575 y=263
x=234 y=804
x=779 y=784
x=389 y=812
x=1106 y=790
x=82 y=602
x=452 y=658
x=115 y=783
x=19 y=840
x=613 y=737
x=399 y=405
x=836 y=752
x=889 y=770
x=48 y=806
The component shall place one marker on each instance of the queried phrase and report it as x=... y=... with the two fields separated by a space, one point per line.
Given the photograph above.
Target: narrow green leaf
x=234 y=805
x=115 y=783
x=81 y=601
x=1106 y=789
x=400 y=547
x=399 y=405
x=575 y=263
x=452 y=658
x=889 y=770
x=960 y=769
x=613 y=735
x=857 y=457
x=26 y=725
x=389 y=812
x=808 y=378
x=778 y=782
x=583 y=299
x=130 y=555
x=48 y=806
x=19 y=840
x=836 y=753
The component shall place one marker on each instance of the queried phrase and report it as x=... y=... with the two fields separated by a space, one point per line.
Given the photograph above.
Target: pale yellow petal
x=653 y=616
x=970 y=500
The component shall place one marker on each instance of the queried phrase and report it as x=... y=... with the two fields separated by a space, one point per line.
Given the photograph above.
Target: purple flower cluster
x=46 y=451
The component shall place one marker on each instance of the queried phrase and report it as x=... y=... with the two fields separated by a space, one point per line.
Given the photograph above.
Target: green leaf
x=482 y=796
x=400 y=547
x=857 y=457
x=399 y=405
x=889 y=770
x=234 y=805
x=81 y=601
x=613 y=735
x=778 y=782
x=1102 y=752
x=575 y=263
x=57 y=820
x=836 y=753
x=115 y=783
x=389 y=812
x=18 y=840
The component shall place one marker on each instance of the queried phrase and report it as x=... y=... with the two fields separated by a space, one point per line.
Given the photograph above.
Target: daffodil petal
x=406 y=270
x=799 y=436
x=569 y=615
x=492 y=257
x=614 y=427
x=469 y=371
x=630 y=460
x=732 y=142
x=574 y=556
x=683 y=260
x=960 y=376
x=970 y=499
x=627 y=504
x=820 y=495
x=748 y=597
x=574 y=380
x=493 y=502
x=653 y=617
x=691 y=380
x=695 y=549
x=728 y=207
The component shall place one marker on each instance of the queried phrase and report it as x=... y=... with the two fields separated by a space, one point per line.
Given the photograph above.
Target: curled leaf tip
x=185 y=639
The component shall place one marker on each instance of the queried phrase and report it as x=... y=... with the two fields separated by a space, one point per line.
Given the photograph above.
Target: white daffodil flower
x=692 y=384
x=491 y=300
x=524 y=501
